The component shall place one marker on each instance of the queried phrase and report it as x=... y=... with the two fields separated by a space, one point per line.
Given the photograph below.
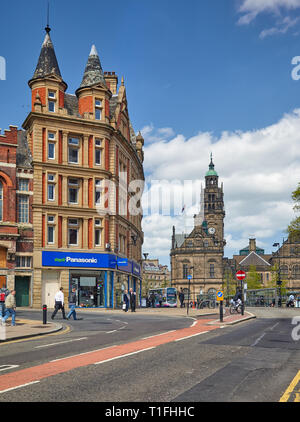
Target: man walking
x=10 y=305
x=181 y=298
x=59 y=303
x=72 y=305
x=132 y=299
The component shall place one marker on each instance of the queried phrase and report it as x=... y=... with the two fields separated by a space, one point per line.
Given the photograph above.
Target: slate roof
x=71 y=104
x=254 y=259
x=179 y=240
x=93 y=73
x=47 y=63
x=24 y=157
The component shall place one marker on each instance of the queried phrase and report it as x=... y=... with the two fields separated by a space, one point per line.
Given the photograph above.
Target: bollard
x=221 y=311
x=44 y=314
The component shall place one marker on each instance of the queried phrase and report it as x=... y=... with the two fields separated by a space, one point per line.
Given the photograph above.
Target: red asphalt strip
x=36 y=373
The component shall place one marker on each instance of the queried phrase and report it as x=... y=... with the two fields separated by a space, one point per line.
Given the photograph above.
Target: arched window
x=1 y=202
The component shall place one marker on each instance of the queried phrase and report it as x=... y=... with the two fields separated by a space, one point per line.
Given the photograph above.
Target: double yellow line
x=293 y=391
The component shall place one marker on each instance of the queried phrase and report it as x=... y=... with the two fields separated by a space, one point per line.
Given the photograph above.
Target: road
x=128 y=358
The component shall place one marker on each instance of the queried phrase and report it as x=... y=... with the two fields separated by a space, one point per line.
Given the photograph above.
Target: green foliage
x=229 y=283
x=294 y=227
x=253 y=279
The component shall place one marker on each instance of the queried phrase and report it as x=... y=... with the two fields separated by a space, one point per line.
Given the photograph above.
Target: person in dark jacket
x=152 y=300
x=126 y=300
x=72 y=304
x=132 y=299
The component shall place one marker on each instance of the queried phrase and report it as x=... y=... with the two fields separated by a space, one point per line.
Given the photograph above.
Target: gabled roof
x=93 y=73
x=47 y=63
x=254 y=259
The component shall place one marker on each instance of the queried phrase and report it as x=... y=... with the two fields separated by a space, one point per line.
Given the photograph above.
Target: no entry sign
x=240 y=275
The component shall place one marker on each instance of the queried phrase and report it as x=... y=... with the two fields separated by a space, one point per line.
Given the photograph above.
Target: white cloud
x=250 y=9
x=259 y=168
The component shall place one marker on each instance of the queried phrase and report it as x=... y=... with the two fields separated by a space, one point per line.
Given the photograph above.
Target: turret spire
x=93 y=73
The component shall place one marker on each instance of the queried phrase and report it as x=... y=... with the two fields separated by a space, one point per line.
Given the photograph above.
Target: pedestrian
x=72 y=305
x=125 y=301
x=2 y=301
x=181 y=298
x=59 y=304
x=10 y=305
x=152 y=299
x=132 y=299
x=160 y=300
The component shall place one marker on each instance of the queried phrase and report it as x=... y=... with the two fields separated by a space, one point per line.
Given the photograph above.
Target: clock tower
x=201 y=252
x=213 y=203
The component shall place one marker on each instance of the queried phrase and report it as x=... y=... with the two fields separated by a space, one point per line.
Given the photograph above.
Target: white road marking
x=18 y=386
x=258 y=340
x=61 y=342
x=193 y=335
x=109 y=332
x=7 y=367
x=156 y=335
x=123 y=356
x=84 y=353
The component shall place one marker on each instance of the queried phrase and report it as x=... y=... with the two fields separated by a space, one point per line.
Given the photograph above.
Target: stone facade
x=85 y=154
x=200 y=253
x=155 y=275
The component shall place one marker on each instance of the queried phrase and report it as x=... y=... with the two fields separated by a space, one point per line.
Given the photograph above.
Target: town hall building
x=200 y=253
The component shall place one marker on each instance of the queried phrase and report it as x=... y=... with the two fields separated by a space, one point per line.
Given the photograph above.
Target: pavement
x=26 y=328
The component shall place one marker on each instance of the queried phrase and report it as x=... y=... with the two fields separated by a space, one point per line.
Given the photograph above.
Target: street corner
x=27 y=328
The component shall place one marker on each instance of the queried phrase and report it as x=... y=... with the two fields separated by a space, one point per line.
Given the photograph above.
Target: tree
x=253 y=279
x=294 y=227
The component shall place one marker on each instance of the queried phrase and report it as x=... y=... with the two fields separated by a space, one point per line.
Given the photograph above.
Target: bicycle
x=235 y=309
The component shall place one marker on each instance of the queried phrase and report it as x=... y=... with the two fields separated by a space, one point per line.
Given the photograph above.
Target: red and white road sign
x=240 y=275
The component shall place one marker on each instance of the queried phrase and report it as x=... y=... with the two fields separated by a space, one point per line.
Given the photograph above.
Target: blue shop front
x=99 y=279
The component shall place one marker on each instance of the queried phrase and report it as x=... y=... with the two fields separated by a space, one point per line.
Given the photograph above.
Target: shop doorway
x=50 y=287
x=90 y=288
x=22 y=286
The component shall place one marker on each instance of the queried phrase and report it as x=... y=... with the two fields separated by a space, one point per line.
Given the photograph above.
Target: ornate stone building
x=200 y=253
x=155 y=275
x=84 y=233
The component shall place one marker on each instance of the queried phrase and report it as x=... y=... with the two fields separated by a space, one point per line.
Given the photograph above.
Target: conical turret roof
x=93 y=73
x=47 y=63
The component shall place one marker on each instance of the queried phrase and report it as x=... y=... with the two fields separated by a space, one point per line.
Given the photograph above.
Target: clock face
x=211 y=230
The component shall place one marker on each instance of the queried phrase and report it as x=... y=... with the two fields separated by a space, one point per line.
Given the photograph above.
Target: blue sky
x=187 y=65
x=190 y=67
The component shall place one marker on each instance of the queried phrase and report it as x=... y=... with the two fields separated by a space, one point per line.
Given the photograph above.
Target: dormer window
x=98 y=109
x=51 y=101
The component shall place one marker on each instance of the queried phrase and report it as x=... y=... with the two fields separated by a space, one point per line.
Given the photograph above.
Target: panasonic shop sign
x=76 y=259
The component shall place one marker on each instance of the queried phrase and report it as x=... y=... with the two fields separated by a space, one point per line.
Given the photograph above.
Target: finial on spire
x=122 y=81
x=93 y=51
x=48 y=29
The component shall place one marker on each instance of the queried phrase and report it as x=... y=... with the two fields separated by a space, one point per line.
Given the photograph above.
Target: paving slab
x=25 y=328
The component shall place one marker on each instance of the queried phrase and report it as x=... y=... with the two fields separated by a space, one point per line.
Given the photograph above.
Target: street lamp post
x=278 y=282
